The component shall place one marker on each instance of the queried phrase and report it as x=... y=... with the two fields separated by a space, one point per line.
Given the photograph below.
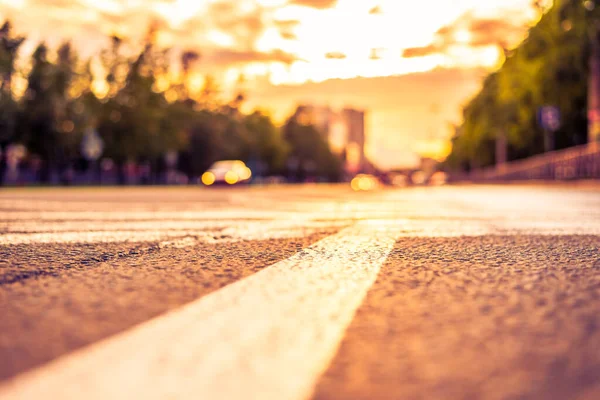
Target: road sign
x=92 y=145
x=549 y=118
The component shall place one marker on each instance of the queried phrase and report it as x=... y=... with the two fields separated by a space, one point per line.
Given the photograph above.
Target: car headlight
x=231 y=178
x=245 y=173
x=208 y=178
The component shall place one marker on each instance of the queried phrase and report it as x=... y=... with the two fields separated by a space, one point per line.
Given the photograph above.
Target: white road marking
x=94 y=237
x=268 y=336
x=226 y=231
x=223 y=232
x=125 y=214
x=28 y=226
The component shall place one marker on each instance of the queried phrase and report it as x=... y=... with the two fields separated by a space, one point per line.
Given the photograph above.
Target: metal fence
x=580 y=162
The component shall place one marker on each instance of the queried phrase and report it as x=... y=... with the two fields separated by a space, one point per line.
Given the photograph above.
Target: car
x=438 y=178
x=227 y=172
x=397 y=179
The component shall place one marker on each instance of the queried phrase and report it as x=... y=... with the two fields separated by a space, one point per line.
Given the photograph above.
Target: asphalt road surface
x=306 y=292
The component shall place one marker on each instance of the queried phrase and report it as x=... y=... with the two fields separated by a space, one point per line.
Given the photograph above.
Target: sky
x=411 y=64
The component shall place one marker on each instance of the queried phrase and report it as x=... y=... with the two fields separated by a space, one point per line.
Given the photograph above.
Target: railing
x=580 y=162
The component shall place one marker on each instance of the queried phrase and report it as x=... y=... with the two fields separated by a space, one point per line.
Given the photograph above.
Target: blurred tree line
x=141 y=114
x=550 y=67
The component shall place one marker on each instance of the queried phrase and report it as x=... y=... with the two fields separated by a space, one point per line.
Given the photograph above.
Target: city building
x=344 y=130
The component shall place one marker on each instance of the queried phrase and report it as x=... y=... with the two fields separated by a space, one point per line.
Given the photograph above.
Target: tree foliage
x=9 y=47
x=310 y=152
x=550 y=67
x=142 y=107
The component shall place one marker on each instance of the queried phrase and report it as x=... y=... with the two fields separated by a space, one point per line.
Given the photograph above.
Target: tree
x=53 y=115
x=69 y=123
x=203 y=147
x=267 y=143
x=188 y=59
x=142 y=113
x=135 y=121
x=550 y=67
x=9 y=48
x=311 y=151
x=40 y=109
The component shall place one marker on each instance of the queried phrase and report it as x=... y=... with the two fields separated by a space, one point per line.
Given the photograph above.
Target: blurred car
x=398 y=180
x=227 y=172
x=438 y=179
x=418 y=178
x=364 y=183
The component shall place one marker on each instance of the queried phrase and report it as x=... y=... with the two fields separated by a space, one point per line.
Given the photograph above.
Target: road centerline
x=268 y=336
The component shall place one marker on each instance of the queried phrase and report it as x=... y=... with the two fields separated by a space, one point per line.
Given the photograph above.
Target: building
x=355 y=144
x=344 y=131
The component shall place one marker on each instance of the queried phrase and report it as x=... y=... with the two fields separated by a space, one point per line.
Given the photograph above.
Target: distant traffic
x=236 y=172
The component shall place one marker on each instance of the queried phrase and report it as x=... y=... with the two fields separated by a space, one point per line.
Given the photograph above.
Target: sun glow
x=179 y=11
x=463 y=36
x=351 y=31
x=370 y=44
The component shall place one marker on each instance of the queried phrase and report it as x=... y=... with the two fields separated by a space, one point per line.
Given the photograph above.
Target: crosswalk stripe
x=124 y=214
x=268 y=336
x=227 y=231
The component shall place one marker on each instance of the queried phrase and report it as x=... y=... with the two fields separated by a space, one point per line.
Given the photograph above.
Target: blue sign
x=549 y=118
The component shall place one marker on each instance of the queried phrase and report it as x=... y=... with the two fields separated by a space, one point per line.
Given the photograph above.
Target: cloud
x=376 y=54
x=286 y=28
x=471 y=31
x=54 y=3
x=71 y=19
x=319 y=4
x=288 y=35
x=493 y=31
x=86 y=21
x=376 y=10
x=227 y=57
x=335 y=55
x=414 y=52
x=244 y=26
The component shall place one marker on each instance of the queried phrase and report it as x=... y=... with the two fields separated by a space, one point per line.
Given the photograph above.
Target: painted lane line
x=229 y=231
x=124 y=214
x=256 y=231
x=26 y=226
x=78 y=237
x=268 y=336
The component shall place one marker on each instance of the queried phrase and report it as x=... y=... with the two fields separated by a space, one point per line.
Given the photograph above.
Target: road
x=306 y=292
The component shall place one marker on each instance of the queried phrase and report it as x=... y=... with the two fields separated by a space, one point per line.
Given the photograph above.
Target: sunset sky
x=410 y=64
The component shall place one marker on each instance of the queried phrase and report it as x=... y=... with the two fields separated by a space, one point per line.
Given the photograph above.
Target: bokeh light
x=231 y=178
x=364 y=183
x=208 y=178
x=245 y=173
